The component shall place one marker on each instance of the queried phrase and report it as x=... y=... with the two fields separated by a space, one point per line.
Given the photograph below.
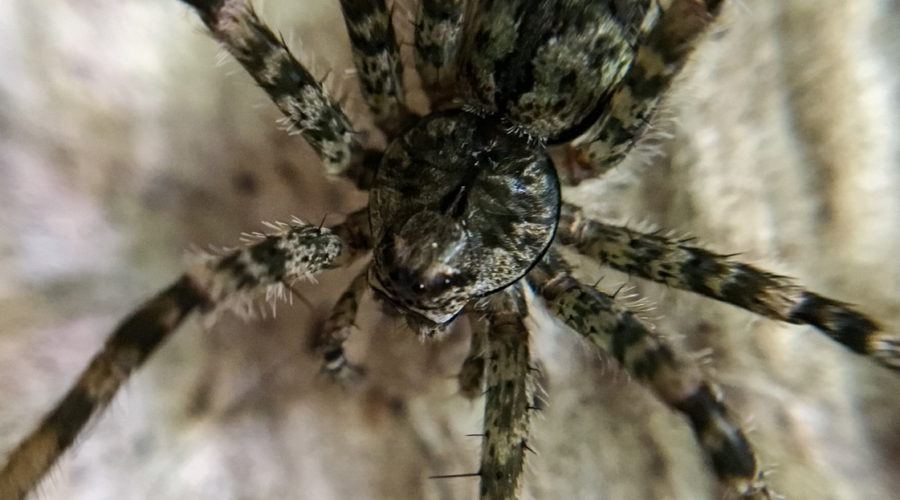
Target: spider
x=335 y=361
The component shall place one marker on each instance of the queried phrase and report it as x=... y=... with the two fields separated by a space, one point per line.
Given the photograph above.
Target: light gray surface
x=122 y=143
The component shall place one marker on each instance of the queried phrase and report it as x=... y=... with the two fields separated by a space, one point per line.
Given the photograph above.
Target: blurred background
x=123 y=143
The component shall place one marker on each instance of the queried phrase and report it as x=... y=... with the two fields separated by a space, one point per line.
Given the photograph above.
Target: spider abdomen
x=546 y=66
x=460 y=208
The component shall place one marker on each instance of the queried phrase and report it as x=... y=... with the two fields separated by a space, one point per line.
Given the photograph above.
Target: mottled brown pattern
x=544 y=66
x=644 y=354
x=460 y=208
x=509 y=397
x=377 y=59
x=125 y=351
x=120 y=147
x=664 y=47
x=437 y=39
x=681 y=264
x=308 y=109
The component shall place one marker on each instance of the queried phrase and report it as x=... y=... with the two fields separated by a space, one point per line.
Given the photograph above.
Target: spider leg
x=337 y=329
x=125 y=350
x=210 y=284
x=509 y=396
x=471 y=373
x=665 y=41
x=646 y=356
x=677 y=264
x=438 y=33
x=308 y=109
x=329 y=344
x=356 y=234
x=376 y=56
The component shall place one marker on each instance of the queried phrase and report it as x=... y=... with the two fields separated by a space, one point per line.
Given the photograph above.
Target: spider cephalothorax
x=460 y=208
x=465 y=214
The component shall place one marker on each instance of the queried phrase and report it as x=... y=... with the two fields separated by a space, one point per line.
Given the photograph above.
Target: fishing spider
x=481 y=225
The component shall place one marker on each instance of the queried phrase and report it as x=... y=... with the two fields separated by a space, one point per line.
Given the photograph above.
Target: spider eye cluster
x=459 y=209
